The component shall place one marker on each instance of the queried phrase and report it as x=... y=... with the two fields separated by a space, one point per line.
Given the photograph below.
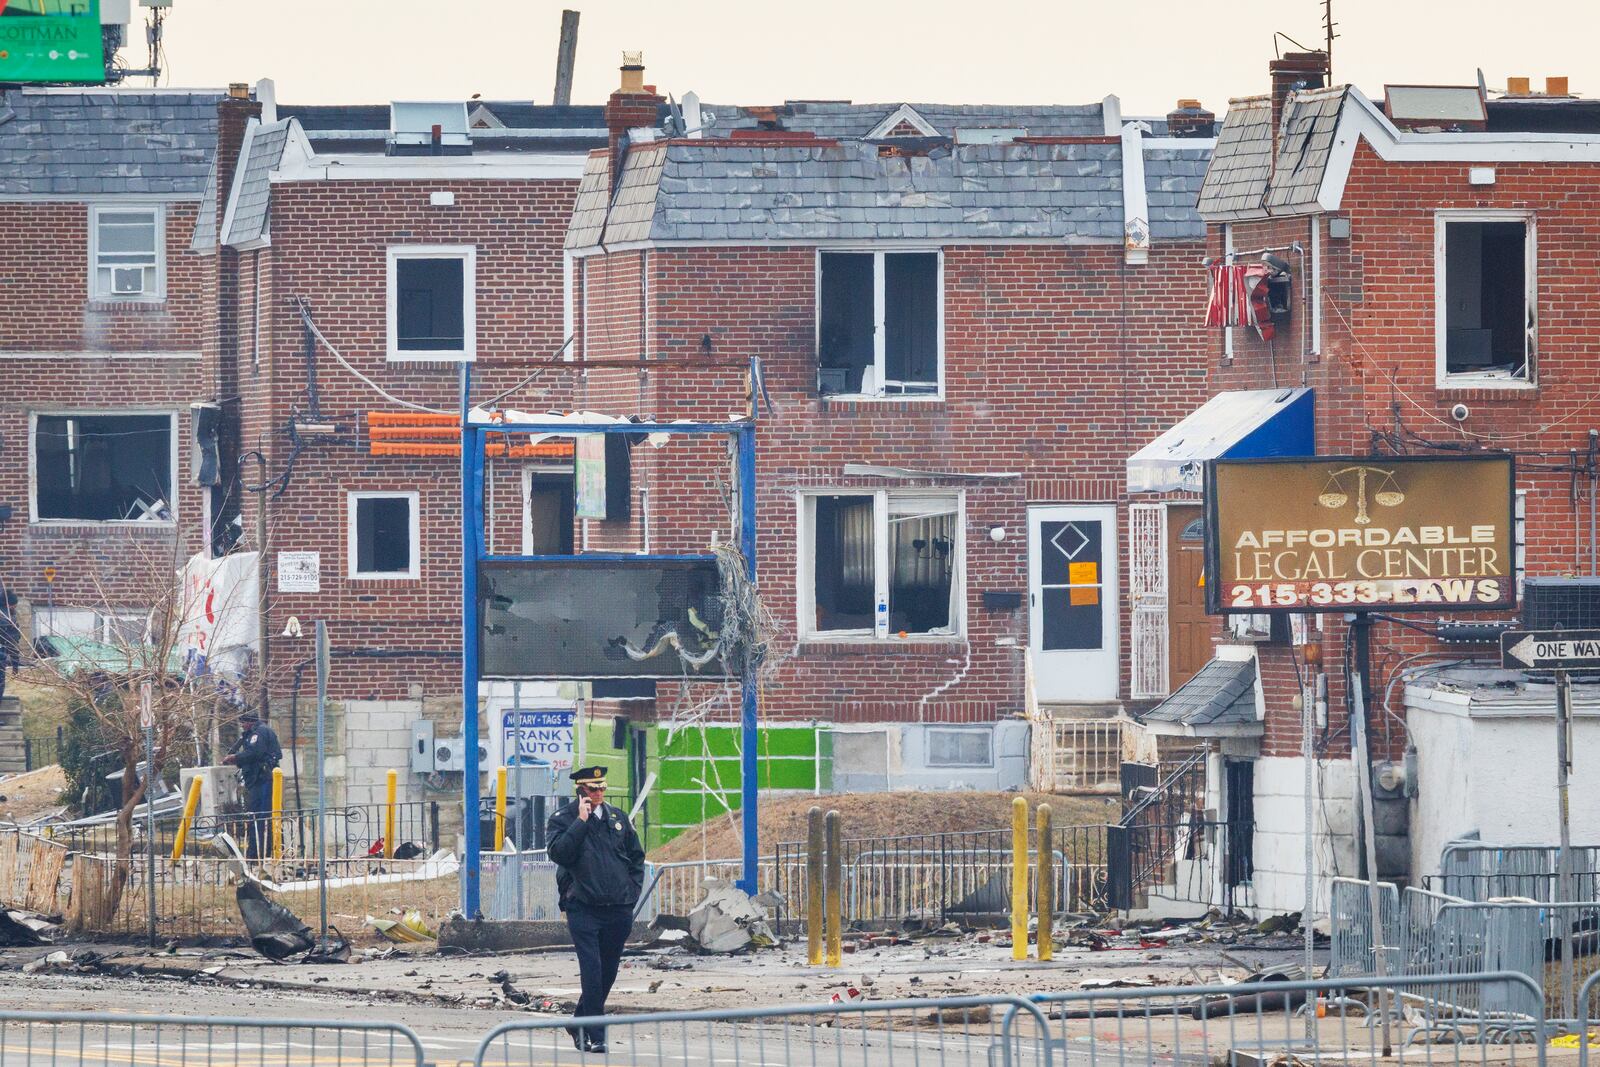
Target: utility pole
x=1564 y=858
x=322 y=780
x=566 y=56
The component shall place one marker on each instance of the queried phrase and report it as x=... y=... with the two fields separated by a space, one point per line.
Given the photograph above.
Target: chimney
x=1517 y=87
x=1291 y=71
x=1556 y=86
x=1189 y=119
x=634 y=104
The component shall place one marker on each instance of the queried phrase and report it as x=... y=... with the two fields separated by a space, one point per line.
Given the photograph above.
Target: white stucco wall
x=1494 y=772
x=1278 y=884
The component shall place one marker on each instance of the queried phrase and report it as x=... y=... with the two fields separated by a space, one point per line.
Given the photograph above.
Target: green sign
x=51 y=41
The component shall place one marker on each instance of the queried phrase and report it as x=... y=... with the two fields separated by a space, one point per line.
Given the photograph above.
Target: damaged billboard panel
x=588 y=619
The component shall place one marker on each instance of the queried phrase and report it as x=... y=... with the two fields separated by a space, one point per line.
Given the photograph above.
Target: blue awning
x=1245 y=424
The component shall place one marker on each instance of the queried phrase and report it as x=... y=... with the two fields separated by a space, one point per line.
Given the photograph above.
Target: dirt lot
x=878 y=815
x=31 y=794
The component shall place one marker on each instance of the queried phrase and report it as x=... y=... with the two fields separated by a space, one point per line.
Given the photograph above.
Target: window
x=119 y=628
x=547 y=528
x=1484 y=287
x=104 y=468
x=961 y=748
x=881 y=564
x=880 y=323
x=384 y=537
x=126 y=253
x=432 y=298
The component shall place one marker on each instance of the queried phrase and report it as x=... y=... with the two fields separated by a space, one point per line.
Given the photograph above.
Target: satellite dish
x=675 y=126
x=1483 y=86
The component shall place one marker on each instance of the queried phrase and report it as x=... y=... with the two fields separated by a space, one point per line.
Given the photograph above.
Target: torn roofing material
x=107 y=142
x=845 y=120
x=1247 y=181
x=698 y=191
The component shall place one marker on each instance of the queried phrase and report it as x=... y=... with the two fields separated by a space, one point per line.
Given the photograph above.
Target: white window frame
x=806 y=575
x=352 y=555
x=986 y=731
x=468 y=254
x=528 y=474
x=142 y=524
x=879 y=334
x=1443 y=378
x=159 y=214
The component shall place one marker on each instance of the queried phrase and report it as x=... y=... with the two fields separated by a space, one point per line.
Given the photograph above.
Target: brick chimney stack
x=634 y=104
x=1189 y=119
x=1294 y=70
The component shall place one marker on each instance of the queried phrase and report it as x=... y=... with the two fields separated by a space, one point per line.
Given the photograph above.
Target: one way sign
x=1550 y=650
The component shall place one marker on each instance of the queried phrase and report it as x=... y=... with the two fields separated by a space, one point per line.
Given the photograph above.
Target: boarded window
x=430 y=305
x=1488 y=316
x=103 y=468
x=382 y=542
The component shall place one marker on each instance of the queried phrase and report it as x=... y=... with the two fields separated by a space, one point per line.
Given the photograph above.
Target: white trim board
x=16 y=354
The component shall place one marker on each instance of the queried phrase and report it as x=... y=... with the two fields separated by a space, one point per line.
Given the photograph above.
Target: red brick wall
x=45 y=307
x=1376 y=372
x=1050 y=351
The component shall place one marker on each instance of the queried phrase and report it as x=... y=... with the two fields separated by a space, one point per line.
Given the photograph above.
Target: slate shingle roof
x=854 y=121
x=107 y=142
x=1242 y=161
x=1172 y=178
x=204 y=238
x=1309 y=123
x=708 y=191
x=588 y=223
x=1222 y=693
x=250 y=206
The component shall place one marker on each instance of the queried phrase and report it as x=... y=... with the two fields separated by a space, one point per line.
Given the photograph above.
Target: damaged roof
x=709 y=190
x=1221 y=697
x=1242 y=161
x=498 y=126
x=247 y=220
x=845 y=120
x=1245 y=181
x=106 y=142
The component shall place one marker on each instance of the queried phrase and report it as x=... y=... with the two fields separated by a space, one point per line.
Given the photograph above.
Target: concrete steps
x=11 y=753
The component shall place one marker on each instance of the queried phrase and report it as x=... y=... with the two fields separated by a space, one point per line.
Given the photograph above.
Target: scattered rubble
x=20 y=928
x=728 y=920
x=275 y=931
x=409 y=929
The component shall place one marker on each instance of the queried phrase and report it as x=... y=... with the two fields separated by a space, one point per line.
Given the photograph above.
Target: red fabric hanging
x=1239 y=297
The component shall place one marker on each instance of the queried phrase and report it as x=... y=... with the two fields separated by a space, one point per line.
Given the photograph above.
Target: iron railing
x=41 y=751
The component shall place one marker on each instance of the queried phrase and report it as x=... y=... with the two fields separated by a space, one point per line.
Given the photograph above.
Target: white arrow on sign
x=1523 y=650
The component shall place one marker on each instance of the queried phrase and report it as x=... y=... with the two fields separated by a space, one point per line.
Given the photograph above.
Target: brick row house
x=1435 y=239
x=960 y=315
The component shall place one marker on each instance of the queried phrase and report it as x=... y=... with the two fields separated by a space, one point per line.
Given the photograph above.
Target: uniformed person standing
x=256 y=753
x=600 y=872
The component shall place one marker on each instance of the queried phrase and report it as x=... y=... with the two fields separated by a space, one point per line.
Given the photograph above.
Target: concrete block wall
x=1278 y=883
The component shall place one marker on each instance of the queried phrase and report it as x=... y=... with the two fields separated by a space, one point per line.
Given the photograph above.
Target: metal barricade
x=1484 y=872
x=1331 y=1021
x=107 y=1040
x=1587 y=1017
x=518 y=885
x=996 y=1031
x=1350 y=928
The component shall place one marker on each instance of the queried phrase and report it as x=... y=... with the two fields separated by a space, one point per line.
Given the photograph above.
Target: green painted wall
x=698 y=774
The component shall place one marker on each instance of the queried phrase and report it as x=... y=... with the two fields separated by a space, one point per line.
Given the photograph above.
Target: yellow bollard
x=1019 y=879
x=834 y=890
x=814 y=892
x=388 y=817
x=188 y=814
x=500 y=810
x=1044 y=895
x=277 y=813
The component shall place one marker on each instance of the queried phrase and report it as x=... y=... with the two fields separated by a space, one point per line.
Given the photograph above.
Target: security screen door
x=1072 y=601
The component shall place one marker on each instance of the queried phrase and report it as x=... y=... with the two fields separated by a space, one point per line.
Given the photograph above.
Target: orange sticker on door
x=1084 y=578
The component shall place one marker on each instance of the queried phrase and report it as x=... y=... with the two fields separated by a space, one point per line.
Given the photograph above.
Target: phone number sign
x=541 y=738
x=1343 y=533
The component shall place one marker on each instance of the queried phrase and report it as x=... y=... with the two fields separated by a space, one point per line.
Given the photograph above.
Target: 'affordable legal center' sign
x=1342 y=533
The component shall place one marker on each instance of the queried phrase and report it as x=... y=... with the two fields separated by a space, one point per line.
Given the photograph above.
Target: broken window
x=126 y=254
x=103 y=468
x=431 y=314
x=882 y=564
x=878 y=324
x=1488 y=327
x=961 y=748
x=550 y=506
x=383 y=535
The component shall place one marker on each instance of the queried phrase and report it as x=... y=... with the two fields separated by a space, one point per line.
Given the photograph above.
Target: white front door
x=1072 y=601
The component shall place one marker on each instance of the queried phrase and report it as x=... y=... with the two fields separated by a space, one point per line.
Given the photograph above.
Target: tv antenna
x=1328 y=35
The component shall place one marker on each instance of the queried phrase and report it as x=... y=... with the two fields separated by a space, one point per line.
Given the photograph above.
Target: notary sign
x=1550 y=650
x=1346 y=533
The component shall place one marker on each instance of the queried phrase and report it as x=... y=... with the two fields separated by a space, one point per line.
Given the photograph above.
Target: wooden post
x=834 y=890
x=814 y=890
x=1044 y=894
x=566 y=56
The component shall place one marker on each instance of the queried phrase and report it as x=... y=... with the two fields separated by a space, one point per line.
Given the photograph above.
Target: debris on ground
x=409 y=929
x=333 y=948
x=20 y=928
x=275 y=931
x=63 y=962
x=727 y=920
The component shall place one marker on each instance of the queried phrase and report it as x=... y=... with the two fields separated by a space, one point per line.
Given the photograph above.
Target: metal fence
x=933 y=879
x=37 y=1038
x=993 y=1031
x=1474 y=871
x=1086 y=755
x=41 y=751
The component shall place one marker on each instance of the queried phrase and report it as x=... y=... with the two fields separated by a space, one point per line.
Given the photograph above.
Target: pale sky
x=1149 y=52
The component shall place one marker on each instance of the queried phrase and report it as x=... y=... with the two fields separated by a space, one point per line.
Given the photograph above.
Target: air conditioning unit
x=1565 y=603
x=449 y=754
x=127 y=281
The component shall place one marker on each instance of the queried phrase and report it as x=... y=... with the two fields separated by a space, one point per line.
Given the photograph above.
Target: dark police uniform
x=600 y=873
x=256 y=753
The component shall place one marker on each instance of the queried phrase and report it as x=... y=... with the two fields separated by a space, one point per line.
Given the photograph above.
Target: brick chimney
x=634 y=104
x=1294 y=70
x=1189 y=119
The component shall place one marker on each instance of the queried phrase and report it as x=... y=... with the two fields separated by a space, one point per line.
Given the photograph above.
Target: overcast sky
x=1149 y=52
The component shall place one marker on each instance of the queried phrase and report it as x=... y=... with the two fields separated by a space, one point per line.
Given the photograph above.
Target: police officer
x=256 y=753
x=600 y=871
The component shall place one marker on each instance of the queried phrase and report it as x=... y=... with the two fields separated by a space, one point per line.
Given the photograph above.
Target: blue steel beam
x=749 y=711
x=471 y=550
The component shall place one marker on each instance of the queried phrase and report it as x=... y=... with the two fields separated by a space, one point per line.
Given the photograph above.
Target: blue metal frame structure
x=472 y=539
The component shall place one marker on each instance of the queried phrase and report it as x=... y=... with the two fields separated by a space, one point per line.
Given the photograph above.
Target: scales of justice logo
x=1385 y=493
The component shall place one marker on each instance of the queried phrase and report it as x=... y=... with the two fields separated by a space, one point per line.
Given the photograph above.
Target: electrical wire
x=305 y=316
x=550 y=360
